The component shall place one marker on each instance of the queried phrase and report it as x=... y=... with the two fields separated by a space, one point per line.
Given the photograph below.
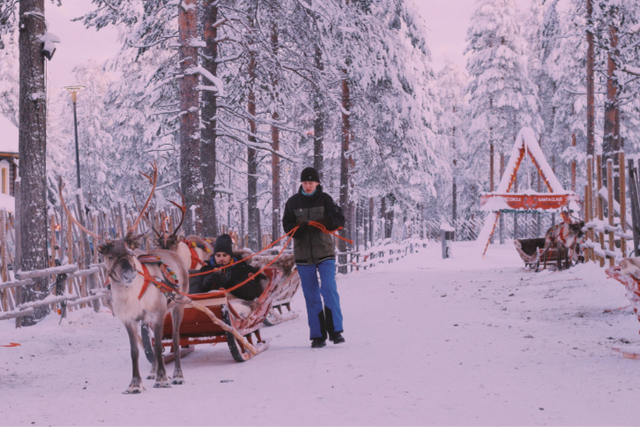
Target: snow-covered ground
x=461 y=341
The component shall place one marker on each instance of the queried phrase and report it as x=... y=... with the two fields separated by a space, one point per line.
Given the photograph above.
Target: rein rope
x=223 y=292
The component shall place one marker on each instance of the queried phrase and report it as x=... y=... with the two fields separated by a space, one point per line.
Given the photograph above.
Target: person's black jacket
x=311 y=246
x=228 y=278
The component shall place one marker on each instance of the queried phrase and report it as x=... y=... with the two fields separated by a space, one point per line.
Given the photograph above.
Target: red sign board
x=532 y=201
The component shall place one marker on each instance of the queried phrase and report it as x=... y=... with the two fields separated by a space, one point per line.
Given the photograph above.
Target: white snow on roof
x=8 y=136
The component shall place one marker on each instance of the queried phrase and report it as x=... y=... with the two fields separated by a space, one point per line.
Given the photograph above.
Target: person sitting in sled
x=227 y=278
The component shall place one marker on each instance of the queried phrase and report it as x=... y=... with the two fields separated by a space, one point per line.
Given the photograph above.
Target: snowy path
x=461 y=341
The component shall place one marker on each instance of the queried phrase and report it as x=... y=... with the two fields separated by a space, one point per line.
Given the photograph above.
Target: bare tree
x=190 y=173
x=32 y=205
x=209 y=112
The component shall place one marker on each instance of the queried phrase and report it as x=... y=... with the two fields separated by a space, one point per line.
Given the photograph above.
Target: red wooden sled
x=197 y=327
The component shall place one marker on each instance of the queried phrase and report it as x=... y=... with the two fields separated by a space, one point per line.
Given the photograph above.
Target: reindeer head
x=577 y=227
x=170 y=241
x=118 y=253
x=118 y=258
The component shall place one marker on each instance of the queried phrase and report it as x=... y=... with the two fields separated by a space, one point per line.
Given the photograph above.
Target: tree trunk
x=252 y=159
x=501 y=216
x=190 y=165
x=32 y=206
x=591 y=111
x=371 y=208
x=491 y=166
x=610 y=141
x=454 y=186
x=275 y=144
x=573 y=165
x=209 y=111
x=344 y=161
x=318 y=121
x=383 y=217
x=390 y=216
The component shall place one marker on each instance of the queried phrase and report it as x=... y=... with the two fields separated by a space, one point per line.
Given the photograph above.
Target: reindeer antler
x=153 y=181
x=183 y=209
x=66 y=209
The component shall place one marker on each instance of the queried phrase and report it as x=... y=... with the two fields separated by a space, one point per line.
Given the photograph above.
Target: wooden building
x=8 y=156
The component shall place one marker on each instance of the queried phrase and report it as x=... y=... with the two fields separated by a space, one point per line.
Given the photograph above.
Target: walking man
x=314 y=253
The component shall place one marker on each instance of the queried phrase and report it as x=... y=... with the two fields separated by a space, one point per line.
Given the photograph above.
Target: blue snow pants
x=321 y=319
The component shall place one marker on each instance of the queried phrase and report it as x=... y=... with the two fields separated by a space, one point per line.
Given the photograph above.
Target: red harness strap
x=561 y=234
x=145 y=285
x=195 y=259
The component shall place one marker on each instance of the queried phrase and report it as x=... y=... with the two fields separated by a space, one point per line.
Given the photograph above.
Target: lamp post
x=73 y=90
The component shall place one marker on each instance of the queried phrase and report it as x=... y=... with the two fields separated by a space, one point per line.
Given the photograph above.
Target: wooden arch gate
x=501 y=200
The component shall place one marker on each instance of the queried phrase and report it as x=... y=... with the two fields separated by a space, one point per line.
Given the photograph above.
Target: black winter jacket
x=228 y=278
x=310 y=245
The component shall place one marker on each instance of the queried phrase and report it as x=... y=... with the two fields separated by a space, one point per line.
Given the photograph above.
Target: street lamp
x=73 y=90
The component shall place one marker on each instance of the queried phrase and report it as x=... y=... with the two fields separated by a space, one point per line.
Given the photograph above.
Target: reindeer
x=194 y=251
x=630 y=267
x=133 y=304
x=565 y=237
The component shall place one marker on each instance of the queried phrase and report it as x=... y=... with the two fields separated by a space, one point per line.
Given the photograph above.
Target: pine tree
x=502 y=98
x=9 y=83
x=451 y=83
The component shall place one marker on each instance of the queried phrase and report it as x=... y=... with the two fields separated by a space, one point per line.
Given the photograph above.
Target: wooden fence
x=606 y=220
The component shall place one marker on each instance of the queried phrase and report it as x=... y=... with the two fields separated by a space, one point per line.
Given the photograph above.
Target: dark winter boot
x=336 y=338
x=318 y=342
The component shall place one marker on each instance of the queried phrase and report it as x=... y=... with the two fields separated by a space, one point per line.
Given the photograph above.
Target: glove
x=303 y=228
x=215 y=281
x=314 y=229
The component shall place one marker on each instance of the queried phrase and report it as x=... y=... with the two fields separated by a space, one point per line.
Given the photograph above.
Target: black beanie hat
x=309 y=174
x=224 y=244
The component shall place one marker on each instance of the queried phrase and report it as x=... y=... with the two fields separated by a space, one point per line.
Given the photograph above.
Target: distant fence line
x=76 y=278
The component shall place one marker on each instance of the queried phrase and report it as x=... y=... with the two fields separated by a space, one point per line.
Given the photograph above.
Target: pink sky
x=447 y=21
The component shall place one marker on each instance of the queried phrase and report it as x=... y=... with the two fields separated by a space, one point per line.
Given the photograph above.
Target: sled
x=531 y=251
x=282 y=301
x=630 y=283
x=242 y=316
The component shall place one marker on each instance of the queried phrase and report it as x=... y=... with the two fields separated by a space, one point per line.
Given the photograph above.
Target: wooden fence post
x=587 y=219
x=589 y=206
x=5 y=258
x=611 y=213
x=635 y=209
x=600 y=208
x=623 y=202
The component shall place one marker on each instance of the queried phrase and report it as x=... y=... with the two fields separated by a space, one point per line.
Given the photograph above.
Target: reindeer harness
x=560 y=236
x=195 y=259
x=168 y=284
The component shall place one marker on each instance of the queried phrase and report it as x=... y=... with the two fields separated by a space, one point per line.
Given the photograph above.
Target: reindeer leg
x=560 y=250
x=559 y=256
x=154 y=364
x=136 y=381
x=161 y=374
x=176 y=318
